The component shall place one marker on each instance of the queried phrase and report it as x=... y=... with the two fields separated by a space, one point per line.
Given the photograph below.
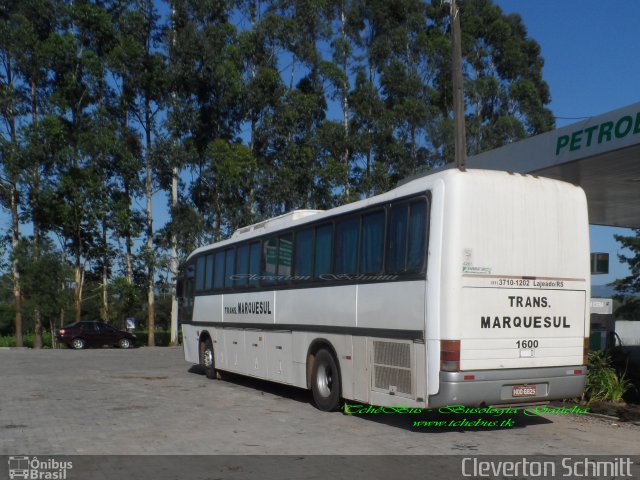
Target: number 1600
x=527 y=343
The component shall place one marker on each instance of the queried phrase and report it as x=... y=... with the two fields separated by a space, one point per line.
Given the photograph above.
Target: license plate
x=524 y=391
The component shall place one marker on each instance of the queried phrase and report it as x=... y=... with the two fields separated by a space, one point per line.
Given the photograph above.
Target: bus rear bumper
x=496 y=387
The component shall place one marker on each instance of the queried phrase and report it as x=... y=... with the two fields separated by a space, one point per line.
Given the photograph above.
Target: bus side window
x=188 y=288
x=208 y=280
x=303 y=254
x=397 y=238
x=218 y=277
x=372 y=243
x=270 y=256
x=417 y=235
x=200 y=272
x=285 y=254
x=323 y=254
x=254 y=265
x=242 y=266
x=346 y=251
x=228 y=273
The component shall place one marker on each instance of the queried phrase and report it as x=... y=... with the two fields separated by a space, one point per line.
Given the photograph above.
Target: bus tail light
x=585 y=351
x=450 y=355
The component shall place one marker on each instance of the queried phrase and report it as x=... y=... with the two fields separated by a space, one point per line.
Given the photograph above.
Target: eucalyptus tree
x=43 y=276
x=367 y=20
x=141 y=64
x=629 y=286
x=287 y=143
x=127 y=155
x=505 y=93
x=401 y=53
x=70 y=134
x=209 y=104
x=33 y=22
x=99 y=141
x=264 y=86
x=336 y=135
x=12 y=106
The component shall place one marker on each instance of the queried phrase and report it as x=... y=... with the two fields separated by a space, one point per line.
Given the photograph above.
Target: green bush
x=603 y=382
x=162 y=337
x=28 y=340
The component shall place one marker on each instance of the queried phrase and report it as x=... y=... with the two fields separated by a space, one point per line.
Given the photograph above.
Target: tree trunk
x=77 y=293
x=15 y=239
x=345 y=101
x=174 y=263
x=35 y=187
x=78 y=275
x=129 y=259
x=293 y=69
x=370 y=136
x=37 y=341
x=104 y=310
x=14 y=194
x=61 y=313
x=150 y=256
x=148 y=125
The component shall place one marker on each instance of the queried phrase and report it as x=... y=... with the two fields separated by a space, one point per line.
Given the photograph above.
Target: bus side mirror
x=179 y=288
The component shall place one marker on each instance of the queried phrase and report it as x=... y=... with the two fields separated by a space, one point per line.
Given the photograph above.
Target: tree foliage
x=629 y=286
x=252 y=107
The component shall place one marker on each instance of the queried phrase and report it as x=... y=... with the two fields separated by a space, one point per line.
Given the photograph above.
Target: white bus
x=460 y=287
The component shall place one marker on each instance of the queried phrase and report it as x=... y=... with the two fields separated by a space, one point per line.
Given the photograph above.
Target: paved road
x=149 y=401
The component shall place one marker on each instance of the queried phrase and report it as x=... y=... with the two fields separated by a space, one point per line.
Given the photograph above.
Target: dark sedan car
x=94 y=334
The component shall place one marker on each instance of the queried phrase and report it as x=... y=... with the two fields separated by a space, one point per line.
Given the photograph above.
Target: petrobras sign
x=590 y=134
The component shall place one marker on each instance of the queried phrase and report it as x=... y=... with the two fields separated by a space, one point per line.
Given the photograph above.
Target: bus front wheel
x=325 y=381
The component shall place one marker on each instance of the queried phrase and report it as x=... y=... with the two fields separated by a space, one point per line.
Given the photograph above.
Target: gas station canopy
x=601 y=154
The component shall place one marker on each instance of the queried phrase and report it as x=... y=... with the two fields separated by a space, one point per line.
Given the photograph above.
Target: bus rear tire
x=207 y=359
x=325 y=382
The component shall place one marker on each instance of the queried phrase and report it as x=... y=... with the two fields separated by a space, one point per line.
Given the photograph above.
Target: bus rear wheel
x=325 y=382
x=207 y=359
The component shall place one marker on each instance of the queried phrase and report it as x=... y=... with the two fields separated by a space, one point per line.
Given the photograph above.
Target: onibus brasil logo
x=35 y=469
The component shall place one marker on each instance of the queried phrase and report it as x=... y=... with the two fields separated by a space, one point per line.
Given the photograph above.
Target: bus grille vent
x=392 y=367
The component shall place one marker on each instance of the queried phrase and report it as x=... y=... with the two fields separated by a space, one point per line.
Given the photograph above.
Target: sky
x=592 y=67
